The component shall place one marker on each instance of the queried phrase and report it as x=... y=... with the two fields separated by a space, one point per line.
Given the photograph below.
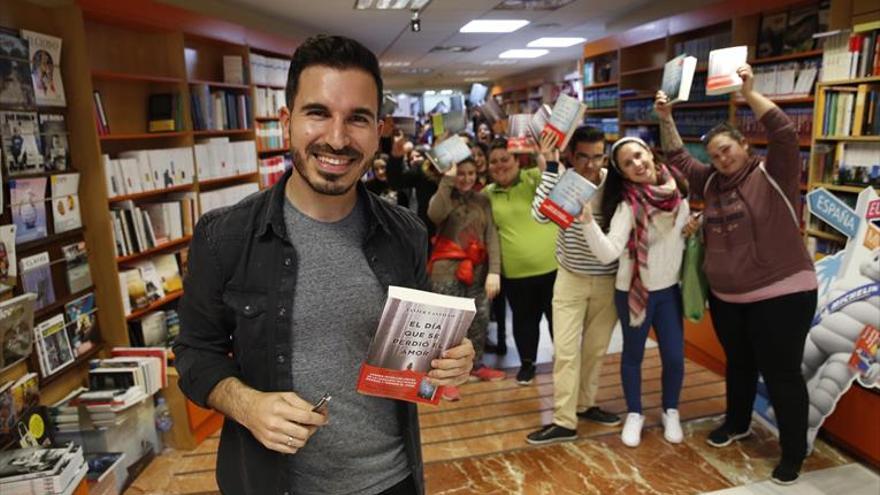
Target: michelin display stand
x=843 y=345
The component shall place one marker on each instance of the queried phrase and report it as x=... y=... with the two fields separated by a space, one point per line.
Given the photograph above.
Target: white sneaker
x=672 y=426
x=632 y=429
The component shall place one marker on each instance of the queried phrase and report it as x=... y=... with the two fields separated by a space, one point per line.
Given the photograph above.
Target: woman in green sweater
x=528 y=259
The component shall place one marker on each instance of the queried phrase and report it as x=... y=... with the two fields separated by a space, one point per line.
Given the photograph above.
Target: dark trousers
x=767 y=337
x=664 y=313
x=405 y=487
x=529 y=297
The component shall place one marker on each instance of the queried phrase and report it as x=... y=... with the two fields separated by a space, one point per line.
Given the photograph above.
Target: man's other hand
x=282 y=421
x=454 y=365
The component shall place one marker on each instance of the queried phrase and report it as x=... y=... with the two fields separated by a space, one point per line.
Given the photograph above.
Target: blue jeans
x=664 y=313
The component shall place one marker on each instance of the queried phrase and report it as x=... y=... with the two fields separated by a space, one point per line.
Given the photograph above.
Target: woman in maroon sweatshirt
x=762 y=280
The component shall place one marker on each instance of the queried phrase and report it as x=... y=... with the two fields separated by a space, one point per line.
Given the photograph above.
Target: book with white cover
x=415 y=328
x=66 y=215
x=678 y=76
x=53 y=345
x=448 y=153
x=566 y=116
x=566 y=199
x=131 y=174
x=36 y=277
x=45 y=58
x=723 y=63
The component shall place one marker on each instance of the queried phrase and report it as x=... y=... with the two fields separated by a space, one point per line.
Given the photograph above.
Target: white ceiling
x=388 y=33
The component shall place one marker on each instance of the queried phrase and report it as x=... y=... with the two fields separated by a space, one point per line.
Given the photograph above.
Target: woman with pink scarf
x=647 y=209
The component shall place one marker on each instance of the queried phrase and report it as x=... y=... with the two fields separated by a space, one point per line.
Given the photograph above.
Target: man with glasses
x=583 y=299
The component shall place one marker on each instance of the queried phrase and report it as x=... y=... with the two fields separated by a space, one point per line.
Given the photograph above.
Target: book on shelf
x=65 y=202
x=226 y=196
x=152 y=280
x=81 y=318
x=169 y=272
x=45 y=57
x=269 y=71
x=447 y=153
x=723 y=64
x=800 y=25
x=268 y=102
x=21 y=143
x=8 y=263
x=565 y=201
x=771 y=34
x=857 y=164
x=36 y=278
x=233 y=69
x=162 y=112
x=53 y=134
x=16 y=329
x=101 y=122
x=678 y=75
x=28 y=203
x=16 y=399
x=151 y=330
x=79 y=276
x=160 y=354
x=53 y=345
x=272 y=169
x=566 y=116
x=134 y=290
x=16 y=89
x=415 y=328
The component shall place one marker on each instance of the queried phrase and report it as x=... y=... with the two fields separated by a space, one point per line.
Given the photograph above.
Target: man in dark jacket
x=285 y=290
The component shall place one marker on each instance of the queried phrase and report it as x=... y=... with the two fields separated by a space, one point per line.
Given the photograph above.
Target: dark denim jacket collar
x=273 y=210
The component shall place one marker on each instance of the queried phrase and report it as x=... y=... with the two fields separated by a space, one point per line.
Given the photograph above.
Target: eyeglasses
x=595 y=159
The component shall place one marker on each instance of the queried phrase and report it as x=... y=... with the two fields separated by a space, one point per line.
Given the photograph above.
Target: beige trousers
x=583 y=319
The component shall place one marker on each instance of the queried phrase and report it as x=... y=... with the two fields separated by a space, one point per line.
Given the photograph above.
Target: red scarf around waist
x=447 y=249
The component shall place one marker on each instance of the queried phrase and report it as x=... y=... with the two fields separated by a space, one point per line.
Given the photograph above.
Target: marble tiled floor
x=477 y=446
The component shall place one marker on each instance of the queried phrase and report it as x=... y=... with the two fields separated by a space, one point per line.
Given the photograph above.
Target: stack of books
x=42 y=471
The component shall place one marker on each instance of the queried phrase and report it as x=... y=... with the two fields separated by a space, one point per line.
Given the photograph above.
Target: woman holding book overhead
x=528 y=263
x=647 y=209
x=466 y=259
x=762 y=281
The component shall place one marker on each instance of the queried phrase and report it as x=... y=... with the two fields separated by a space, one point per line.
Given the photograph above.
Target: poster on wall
x=843 y=344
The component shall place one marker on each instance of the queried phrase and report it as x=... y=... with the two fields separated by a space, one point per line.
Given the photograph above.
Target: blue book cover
x=28 y=202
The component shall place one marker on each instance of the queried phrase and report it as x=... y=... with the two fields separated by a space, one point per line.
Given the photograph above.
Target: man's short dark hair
x=586 y=134
x=497 y=144
x=336 y=52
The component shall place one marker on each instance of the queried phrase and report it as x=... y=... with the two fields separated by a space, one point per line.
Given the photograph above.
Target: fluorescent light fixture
x=500 y=62
x=471 y=72
x=555 y=42
x=430 y=92
x=390 y=4
x=523 y=53
x=446 y=92
x=493 y=26
x=393 y=63
x=475 y=79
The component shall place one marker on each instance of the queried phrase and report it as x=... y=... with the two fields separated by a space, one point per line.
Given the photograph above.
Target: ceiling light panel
x=532 y=4
x=500 y=62
x=555 y=42
x=523 y=53
x=493 y=26
x=390 y=4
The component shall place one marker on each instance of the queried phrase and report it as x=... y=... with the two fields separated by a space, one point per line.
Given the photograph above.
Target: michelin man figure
x=842 y=314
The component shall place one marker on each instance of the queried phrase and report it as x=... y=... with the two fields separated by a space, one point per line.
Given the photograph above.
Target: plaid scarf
x=646 y=201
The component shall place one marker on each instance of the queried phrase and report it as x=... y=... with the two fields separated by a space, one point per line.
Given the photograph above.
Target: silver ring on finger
x=289 y=442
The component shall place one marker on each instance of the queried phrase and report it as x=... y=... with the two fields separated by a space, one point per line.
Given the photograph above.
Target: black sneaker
x=785 y=473
x=722 y=436
x=597 y=415
x=551 y=434
x=526 y=374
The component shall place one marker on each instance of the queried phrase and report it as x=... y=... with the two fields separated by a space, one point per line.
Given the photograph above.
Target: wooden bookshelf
x=782 y=100
x=700 y=104
x=825 y=235
x=270 y=151
x=144 y=135
x=854 y=139
x=154 y=306
x=599 y=111
x=840 y=188
x=271 y=86
x=123 y=76
x=645 y=70
x=221 y=132
x=602 y=85
x=176 y=243
x=787 y=57
x=222 y=181
x=150 y=194
x=220 y=85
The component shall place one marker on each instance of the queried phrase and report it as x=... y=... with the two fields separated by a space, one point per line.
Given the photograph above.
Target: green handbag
x=694 y=287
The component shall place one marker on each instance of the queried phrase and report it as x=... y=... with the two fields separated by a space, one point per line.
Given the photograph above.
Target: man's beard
x=332 y=185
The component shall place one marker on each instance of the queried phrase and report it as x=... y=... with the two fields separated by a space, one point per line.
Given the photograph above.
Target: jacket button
x=288 y=262
x=280 y=358
x=282 y=312
x=248 y=309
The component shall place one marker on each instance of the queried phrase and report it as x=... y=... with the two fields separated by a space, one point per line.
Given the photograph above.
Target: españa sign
x=833 y=211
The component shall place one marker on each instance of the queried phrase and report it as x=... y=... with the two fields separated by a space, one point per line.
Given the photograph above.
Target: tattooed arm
x=669 y=138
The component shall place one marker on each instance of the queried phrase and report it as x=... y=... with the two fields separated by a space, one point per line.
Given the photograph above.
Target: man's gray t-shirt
x=336 y=309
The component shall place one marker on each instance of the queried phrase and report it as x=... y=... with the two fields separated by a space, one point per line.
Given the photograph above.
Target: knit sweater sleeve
x=608 y=247
x=441 y=204
x=783 y=157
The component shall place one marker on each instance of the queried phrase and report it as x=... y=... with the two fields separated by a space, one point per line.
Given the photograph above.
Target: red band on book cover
x=554 y=212
x=396 y=384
